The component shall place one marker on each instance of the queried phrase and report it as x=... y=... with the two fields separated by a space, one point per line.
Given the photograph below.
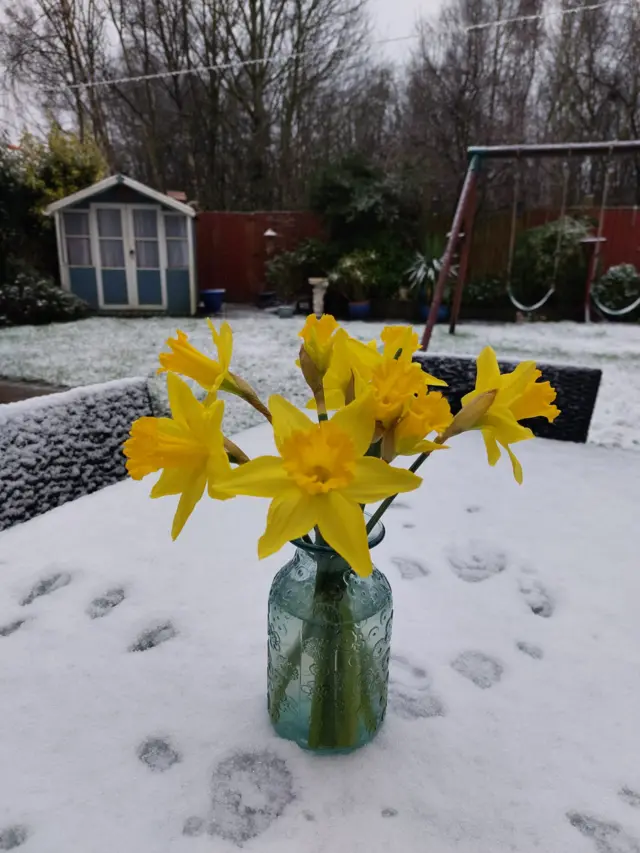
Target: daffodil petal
x=357 y=421
x=172 y=481
x=264 y=477
x=515 y=464
x=287 y=419
x=342 y=524
x=427 y=446
x=505 y=427
x=291 y=515
x=190 y=497
x=488 y=372
x=514 y=384
x=184 y=406
x=535 y=402
x=375 y=480
x=433 y=380
x=491 y=445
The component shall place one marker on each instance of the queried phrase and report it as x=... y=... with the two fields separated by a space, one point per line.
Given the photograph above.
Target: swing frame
x=463 y=220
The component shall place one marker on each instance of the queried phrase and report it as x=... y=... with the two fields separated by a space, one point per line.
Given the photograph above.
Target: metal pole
x=555 y=150
x=464 y=259
x=469 y=183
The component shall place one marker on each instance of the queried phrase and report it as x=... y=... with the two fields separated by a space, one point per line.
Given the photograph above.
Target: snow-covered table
x=132 y=701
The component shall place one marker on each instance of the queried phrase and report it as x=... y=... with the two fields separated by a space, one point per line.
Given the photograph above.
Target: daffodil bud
x=235 y=452
x=469 y=415
x=312 y=375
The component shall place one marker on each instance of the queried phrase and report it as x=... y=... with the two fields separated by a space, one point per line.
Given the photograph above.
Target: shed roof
x=122 y=180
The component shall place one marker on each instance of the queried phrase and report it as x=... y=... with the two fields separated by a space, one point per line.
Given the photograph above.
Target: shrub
x=534 y=267
x=355 y=274
x=32 y=300
x=488 y=291
x=618 y=287
x=289 y=272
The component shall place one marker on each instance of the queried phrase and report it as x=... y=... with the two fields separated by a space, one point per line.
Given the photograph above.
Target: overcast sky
x=391 y=19
x=395 y=18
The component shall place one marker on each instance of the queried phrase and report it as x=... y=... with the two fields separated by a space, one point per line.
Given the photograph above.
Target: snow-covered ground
x=266 y=346
x=133 y=673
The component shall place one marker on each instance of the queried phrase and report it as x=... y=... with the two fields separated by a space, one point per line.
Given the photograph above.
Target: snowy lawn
x=134 y=672
x=100 y=349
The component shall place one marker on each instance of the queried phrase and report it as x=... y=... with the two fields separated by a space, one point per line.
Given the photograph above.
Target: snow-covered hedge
x=57 y=448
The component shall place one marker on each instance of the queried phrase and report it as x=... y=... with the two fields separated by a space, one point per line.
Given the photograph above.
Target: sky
x=390 y=19
x=397 y=18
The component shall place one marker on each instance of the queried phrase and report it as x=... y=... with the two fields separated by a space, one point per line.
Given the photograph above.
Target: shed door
x=112 y=257
x=146 y=255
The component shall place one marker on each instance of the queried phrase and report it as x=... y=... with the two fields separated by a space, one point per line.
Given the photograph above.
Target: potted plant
x=283 y=275
x=354 y=277
x=423 y=275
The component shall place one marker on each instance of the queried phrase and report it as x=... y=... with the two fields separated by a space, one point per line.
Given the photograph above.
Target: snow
x=133 y=691
x=102 y=348
x=56 y=448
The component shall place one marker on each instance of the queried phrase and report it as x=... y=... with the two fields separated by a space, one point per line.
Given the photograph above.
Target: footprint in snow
x=104 y=604
x=13 y=836
x=607 y=837
x=483 y=670
x=537 y=597
x=249 y=791
x=11 y=627
x=530 y=649
x=631 y=798
x=158 y=754
x=410 y=692
x=154 y=637
x=45 y=587
x=410 y=569
x=476 y=561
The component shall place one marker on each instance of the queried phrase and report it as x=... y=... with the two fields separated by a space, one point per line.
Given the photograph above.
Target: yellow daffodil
x=211 y=375
x=399 y=342
x=318 y=337
x=395 y=384
x=428 y=413
x=321 y=477
x=518 y=396
x=186 y=360
x=188 y=448
x=394 y=381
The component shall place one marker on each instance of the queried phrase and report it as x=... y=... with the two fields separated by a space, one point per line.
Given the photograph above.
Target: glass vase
x=329 y=641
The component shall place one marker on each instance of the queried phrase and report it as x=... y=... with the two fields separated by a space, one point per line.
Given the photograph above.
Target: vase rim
x=374 y=537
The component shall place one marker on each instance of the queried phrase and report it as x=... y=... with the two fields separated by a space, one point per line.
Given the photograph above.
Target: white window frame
x=186 y=238
x=64 y=237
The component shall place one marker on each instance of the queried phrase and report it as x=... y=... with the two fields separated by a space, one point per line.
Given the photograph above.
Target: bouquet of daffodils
x=373 y=404
x=369 y=405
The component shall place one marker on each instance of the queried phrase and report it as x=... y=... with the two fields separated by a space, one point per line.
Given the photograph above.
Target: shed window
x=175 y=226
x=78 y=244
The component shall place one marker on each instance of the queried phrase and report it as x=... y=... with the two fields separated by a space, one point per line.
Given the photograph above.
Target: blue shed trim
x=82 y=282
x=178 y=292
x=114 y=287
x=149 y=287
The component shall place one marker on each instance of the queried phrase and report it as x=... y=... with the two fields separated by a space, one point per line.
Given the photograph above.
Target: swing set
x=463 y=220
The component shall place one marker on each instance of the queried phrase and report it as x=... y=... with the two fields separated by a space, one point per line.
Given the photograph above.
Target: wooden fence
x=232 y=250
x=490 y=246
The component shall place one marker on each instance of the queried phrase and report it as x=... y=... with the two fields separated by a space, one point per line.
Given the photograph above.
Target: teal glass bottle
x=329 y=646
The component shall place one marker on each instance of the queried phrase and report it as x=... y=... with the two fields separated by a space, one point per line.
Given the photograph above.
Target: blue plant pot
x=213 y=300
x=359 y=310
x=443 y=313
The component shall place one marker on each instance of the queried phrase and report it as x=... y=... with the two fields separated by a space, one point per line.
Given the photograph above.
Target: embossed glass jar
x=329 y=640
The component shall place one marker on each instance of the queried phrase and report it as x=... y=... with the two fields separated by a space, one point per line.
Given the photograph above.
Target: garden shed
x=123 y=246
